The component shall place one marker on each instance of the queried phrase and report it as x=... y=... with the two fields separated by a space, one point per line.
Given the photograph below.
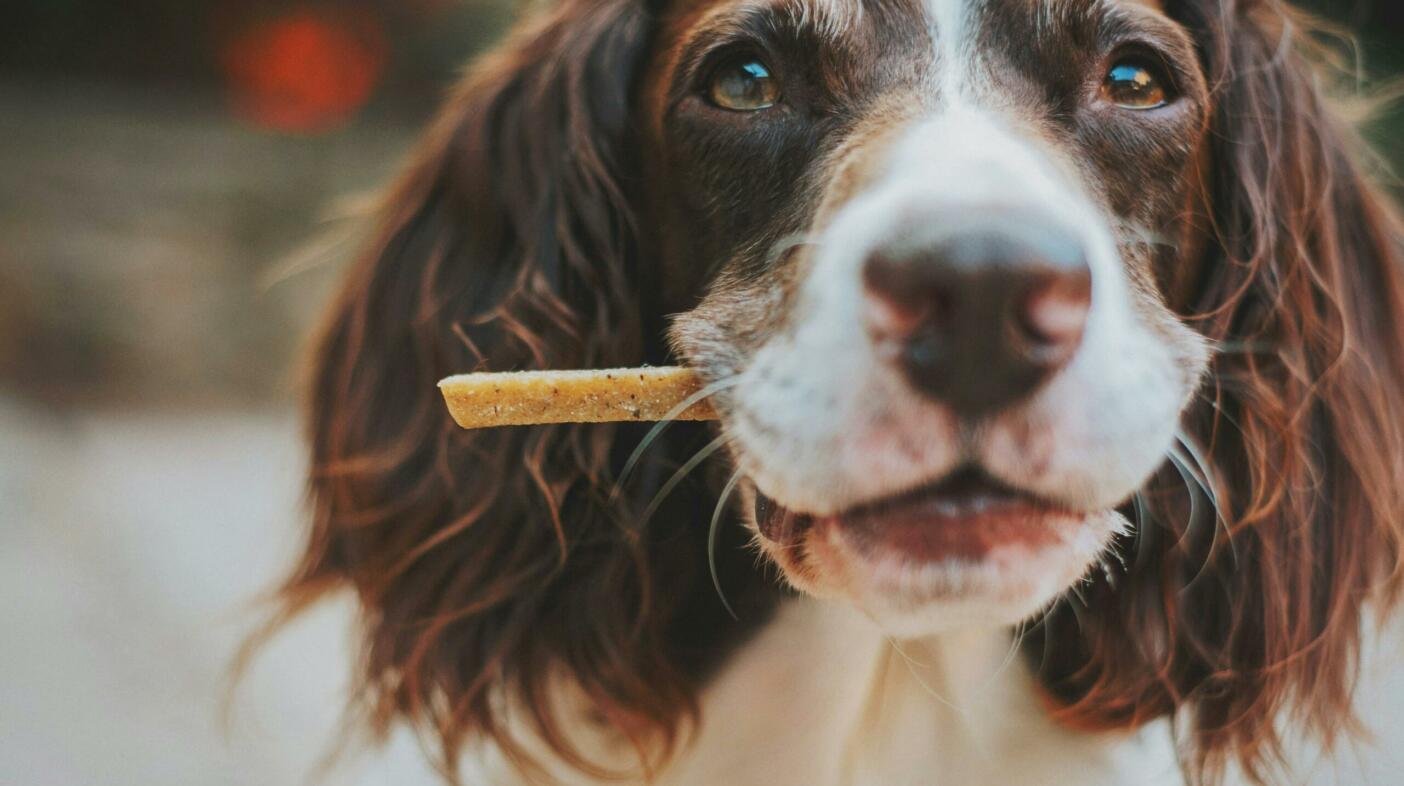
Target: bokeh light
x=307 y=71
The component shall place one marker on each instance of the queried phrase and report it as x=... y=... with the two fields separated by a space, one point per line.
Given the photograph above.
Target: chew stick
x=523 y=398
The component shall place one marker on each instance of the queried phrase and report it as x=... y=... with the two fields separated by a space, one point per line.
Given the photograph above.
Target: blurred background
x=179 y=186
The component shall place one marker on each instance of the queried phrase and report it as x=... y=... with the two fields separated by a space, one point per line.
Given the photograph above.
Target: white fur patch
x=828 y=425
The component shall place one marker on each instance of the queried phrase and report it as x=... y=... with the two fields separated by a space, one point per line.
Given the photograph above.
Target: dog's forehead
x=938 y=47
x=836 y=17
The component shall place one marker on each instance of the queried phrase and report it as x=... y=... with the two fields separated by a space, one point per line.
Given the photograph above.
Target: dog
x=1058 y=353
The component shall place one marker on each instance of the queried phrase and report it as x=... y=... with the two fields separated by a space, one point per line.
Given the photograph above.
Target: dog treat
x=524 y=398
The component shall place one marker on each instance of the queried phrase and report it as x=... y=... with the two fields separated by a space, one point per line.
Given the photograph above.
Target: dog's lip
x=967 y=514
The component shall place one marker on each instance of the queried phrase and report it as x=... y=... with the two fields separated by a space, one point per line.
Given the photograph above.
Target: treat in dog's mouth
x=528 y=398
x=964 y=516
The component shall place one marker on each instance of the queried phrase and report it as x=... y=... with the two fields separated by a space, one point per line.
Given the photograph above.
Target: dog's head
x=940 y=240
x=1067 y=309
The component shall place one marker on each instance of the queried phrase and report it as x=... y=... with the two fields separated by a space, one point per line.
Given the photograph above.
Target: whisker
x=787 y=244
x=1037 y=620
x=1112 y=552
x=678 y=477
x=1185 y=477
x=1015 y=643
x=1076 y=611
x=1143 y=518
x=1190 y=463
x=1076 y=591
x=1221 y=412
x=912 y=668
x=1145 y=235
x=1192 y=449
x=1242 y=348
x=712 y=540
x=1211 y=489
x=1187 y=474
x=668 y=419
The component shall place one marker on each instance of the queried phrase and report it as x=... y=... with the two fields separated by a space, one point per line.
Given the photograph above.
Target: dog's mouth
x=965 y=515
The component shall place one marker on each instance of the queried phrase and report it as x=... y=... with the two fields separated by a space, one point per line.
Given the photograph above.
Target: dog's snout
x=981 y=317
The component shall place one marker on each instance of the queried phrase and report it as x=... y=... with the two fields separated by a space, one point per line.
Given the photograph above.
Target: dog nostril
x=896 y=307
x=1054 y=314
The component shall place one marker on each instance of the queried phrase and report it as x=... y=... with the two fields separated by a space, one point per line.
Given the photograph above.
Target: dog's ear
x=1239 y=606
x=491 y=565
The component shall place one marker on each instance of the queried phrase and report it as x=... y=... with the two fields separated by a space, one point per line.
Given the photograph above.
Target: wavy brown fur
x=1258 y=615
x=484 y=559
x=490 y=564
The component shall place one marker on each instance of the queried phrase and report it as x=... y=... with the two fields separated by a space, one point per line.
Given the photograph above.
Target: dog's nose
x=982 y=317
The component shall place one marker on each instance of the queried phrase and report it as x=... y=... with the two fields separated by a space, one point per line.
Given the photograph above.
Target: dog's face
x=938 y=242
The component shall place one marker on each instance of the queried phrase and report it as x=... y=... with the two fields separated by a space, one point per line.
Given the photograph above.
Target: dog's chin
x=958 y=555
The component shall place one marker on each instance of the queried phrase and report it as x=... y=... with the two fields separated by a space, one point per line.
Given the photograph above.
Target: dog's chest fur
x=822 y=698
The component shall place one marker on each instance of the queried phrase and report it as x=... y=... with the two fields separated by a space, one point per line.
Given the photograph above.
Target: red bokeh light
x=307 y=71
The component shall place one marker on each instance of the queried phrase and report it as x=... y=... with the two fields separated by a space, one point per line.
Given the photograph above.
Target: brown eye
x=1131 y=84
x=743 y=86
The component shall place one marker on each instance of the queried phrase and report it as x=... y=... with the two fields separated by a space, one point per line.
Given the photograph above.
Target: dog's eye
x=1133 y=84
x=743 y=85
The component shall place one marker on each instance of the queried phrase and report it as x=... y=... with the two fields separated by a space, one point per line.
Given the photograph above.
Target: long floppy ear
x=491 y=565
x=1239 y=604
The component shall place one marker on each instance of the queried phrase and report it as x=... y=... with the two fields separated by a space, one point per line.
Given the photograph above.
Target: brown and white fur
x=940 y=571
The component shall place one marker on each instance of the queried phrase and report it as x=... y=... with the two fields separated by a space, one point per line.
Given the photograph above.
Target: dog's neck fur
x=821 y=697
x=843 y=704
